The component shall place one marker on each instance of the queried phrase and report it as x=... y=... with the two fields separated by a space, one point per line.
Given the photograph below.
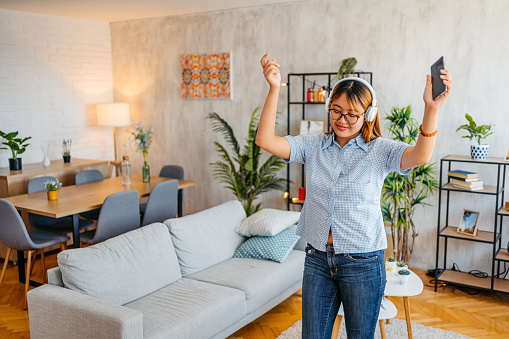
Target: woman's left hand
x=442 y=98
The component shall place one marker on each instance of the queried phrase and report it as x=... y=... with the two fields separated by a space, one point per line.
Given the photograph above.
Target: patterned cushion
x=275 y=248
x=267 y=222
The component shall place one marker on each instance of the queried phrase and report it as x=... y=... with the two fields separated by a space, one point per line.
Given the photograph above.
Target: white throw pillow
x=267 y=222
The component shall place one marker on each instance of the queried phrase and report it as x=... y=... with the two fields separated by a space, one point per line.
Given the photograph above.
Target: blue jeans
x=356 y=280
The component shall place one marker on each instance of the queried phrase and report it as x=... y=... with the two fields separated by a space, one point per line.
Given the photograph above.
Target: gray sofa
x=171 y=280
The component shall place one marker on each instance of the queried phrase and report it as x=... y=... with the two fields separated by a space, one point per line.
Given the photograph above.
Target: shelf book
x=457 y=174
x=473 y=185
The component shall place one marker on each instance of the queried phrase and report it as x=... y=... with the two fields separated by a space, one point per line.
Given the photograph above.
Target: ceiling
x=120 y=10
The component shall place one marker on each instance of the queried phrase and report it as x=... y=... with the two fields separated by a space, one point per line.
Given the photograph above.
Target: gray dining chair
x=168 y=171
x=15 y=236
x=162 y=203
x=44 y=223
x=85 y=177
x=119 y=214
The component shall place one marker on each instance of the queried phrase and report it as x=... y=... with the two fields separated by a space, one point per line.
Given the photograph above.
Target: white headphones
x=372 y=109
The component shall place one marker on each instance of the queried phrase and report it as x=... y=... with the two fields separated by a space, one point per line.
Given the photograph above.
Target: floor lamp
x=114 y=115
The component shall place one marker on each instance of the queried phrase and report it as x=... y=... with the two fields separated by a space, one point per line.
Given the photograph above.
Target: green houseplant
x=401 y=194
x=241 y=172
x=478 y=133
x=346 y=67
x=66 y=149
x=17 y=146
x=390 y=264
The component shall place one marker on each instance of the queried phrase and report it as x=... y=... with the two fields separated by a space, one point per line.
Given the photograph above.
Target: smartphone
x=438 y=84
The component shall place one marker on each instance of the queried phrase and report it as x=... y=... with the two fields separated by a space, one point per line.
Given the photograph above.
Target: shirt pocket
x=360 y=174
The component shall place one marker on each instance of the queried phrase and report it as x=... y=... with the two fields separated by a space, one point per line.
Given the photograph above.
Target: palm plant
x=241 y=172
x=401 y=194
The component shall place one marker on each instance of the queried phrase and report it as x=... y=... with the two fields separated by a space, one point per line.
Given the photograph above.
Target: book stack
x=466 y=180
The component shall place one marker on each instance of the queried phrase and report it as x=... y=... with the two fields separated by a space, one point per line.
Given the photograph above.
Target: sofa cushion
x=189 y=309
x=208 y=237
x=123 y=268
x=267 y=222
x=261 y=280
x=276 y=247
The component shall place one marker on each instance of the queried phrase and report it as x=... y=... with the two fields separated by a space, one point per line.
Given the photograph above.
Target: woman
x=341 y=218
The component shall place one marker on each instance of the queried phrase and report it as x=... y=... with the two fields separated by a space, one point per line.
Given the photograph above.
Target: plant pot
x=52 y=195
x=399 y=268
x=403 y=279
x=15 y=164
x=67 y=158
x=479 y=152
x=390 y=265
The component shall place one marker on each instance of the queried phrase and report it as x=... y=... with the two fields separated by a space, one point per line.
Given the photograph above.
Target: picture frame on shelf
x=312 y=127
x=469 y=222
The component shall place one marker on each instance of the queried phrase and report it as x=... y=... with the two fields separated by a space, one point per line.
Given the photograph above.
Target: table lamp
x=114 y=115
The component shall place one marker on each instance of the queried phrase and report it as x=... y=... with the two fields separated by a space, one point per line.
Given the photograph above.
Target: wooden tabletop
x=80 y=198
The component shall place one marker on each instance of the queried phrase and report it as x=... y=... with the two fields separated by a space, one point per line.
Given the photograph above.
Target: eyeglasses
x=350 y=119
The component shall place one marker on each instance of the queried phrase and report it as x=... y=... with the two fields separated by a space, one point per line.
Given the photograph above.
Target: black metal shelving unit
x=493 y=238
x=306 y=79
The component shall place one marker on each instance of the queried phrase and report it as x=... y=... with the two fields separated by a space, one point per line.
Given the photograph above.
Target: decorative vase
x=15 y=164
x=67 y=158
x=52 y=195
x=479 y=152
x=46 y=162
x=390 y=265
x=145 y=169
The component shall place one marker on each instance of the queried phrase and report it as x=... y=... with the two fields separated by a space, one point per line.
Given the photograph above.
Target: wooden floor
x=485 y=315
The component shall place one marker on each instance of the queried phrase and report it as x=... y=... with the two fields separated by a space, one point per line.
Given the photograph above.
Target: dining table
x=75 y=199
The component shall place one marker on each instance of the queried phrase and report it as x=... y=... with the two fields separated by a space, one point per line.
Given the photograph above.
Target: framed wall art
x=206 y=76
x=310 y=127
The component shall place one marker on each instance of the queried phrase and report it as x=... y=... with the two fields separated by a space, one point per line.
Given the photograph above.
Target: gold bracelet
x=426 y=134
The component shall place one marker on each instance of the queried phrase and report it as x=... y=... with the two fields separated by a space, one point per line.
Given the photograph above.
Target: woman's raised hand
x=271 y=71
x=442 y=98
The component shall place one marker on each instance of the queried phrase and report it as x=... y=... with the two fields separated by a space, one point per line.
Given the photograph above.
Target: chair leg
x=5 y=265
x=27 y=282
x=382 y=329
x=63 y=246
x=335 y=329
x=44 y=273
x=33 y=262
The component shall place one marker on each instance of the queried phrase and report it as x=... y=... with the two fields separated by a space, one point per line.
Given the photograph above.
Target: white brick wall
x=53 y=70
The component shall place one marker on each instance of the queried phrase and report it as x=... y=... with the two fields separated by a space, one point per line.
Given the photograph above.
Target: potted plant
x=17 y=145
x=346 y=68
x=390 y=264
x=403 y=275
x=478 y=133
x=246 y=179
x=66 y=150
x=143 y=138
x=52 y=187
x=401 y=265
x=401 y=194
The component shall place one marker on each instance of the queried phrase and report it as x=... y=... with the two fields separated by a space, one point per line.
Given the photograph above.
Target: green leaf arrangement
x=401 y=194
x=475 y=132
x=241 y=172
x=17 y=145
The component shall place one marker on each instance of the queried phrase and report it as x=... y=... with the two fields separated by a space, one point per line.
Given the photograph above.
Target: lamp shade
x=115 y=114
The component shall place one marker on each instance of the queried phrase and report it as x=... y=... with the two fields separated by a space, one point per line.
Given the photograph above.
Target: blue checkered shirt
x=343 y=189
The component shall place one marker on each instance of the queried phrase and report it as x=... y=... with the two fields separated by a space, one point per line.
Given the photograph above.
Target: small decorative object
x=52 y=187
x=310 y=95
x=66 y=150
x=390 y=264
x=469 y=222
x=45 y=162
x=206 y=76
x=477 y=152
x=17 y=146
x=126 y=171
x=346 y=68
x=507 y=156
x=143 y=138
x=310 y=127
x=302 y=193
x=404 y=275
x=401 y=265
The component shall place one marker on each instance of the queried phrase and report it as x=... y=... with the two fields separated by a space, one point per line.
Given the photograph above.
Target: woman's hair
x=359 y=97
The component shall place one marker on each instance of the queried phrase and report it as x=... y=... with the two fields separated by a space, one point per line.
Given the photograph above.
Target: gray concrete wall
x=396 y=40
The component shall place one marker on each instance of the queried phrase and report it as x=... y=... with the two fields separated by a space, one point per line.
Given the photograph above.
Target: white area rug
x=396 y=329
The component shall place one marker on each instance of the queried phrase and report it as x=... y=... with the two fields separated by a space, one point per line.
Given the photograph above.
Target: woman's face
x=346 y=122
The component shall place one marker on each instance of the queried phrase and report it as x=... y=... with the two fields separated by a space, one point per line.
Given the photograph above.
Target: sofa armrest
x=57 y=312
